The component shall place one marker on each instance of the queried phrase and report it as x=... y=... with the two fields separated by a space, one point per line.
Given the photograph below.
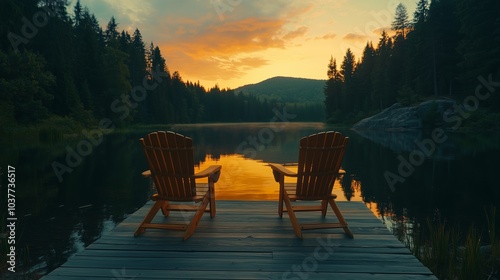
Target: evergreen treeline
x=60 y=68
x=442 y=52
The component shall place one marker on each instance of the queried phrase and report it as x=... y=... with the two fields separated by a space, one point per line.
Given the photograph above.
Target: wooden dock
x=247 y=240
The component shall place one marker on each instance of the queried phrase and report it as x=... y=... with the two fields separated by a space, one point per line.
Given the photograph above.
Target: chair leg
x=149 y=217
x=293 y=218
x=164 y=208
x=197 y=216
x=341 y=218
x=324 y=207
x=280 y=198
x=211 y=194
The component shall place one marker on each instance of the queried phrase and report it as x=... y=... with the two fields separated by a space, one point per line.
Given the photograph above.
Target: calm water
x=456 y=181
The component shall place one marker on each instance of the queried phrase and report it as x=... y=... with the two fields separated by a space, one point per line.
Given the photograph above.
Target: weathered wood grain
x=247 y=240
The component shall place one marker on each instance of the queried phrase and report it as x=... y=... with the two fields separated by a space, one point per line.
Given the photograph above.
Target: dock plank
x=247 y=240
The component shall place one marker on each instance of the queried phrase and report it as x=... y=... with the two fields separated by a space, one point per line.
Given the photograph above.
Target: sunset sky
x=236 y=42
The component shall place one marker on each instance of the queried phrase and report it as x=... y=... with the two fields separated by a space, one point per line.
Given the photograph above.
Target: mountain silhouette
x=286 y=90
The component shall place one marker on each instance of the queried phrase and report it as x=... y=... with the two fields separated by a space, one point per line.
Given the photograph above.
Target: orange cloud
x=355 y=37
x=208 y=48
x=224 y=50
x=227 y=38
x=387 y=30
x=327 y=36
x=297 y=33
x=212 y=68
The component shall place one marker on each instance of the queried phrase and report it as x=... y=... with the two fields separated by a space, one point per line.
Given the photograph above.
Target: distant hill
x=287 y=89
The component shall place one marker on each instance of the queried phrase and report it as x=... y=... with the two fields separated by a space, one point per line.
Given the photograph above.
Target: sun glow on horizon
x=234 y=43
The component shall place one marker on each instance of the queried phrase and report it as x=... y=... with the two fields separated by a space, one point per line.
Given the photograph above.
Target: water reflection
x=411 y=140
x=255 y=140
x=248 y=179
x=457 y=182
x=58 y=219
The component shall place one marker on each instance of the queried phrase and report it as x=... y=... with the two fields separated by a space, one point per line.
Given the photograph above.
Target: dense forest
x=449 y=49
x=85 y=74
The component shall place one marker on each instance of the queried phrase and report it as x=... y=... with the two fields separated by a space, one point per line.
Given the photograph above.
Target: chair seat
x=291 y=188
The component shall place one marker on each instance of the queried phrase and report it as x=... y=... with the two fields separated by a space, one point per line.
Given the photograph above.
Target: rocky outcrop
x=398 y=117
x=399 y=128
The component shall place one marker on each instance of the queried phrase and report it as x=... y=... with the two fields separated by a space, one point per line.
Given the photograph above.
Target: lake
x=401 y=176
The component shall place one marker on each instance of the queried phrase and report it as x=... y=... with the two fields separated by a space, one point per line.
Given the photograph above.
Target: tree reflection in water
x=58 y=219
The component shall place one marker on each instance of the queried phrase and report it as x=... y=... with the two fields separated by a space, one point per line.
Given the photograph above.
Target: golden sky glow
x=236 y=42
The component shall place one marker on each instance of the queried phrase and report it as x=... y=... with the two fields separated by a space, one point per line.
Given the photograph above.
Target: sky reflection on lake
x=248 y=179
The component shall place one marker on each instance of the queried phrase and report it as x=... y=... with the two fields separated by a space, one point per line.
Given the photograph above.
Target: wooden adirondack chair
x=320 y=156
x=170 y=159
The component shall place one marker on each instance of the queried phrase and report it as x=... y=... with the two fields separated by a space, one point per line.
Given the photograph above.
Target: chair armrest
x=282 y=170
x=209 y=172
x=146 y=173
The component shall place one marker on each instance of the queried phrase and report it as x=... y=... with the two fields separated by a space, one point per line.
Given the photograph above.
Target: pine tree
x=89 y=78
x=362 y=79
x=421 y=13
x=111 y=33
x=401 y=21
x=124 y=41
x=348 y=66
x=137 y=68
x=347 y=69
x=419 y=56
x=480 y=47
x=445 y=39
x=78 y=11
x=332 y=90
x=58 y=52
x=159 y=101
x=137 y=58
x=480 y=26
x=116 y=76
x=381 y=83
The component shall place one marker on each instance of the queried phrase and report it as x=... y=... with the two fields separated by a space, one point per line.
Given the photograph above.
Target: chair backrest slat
x=170 y=158
x=320 y=156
